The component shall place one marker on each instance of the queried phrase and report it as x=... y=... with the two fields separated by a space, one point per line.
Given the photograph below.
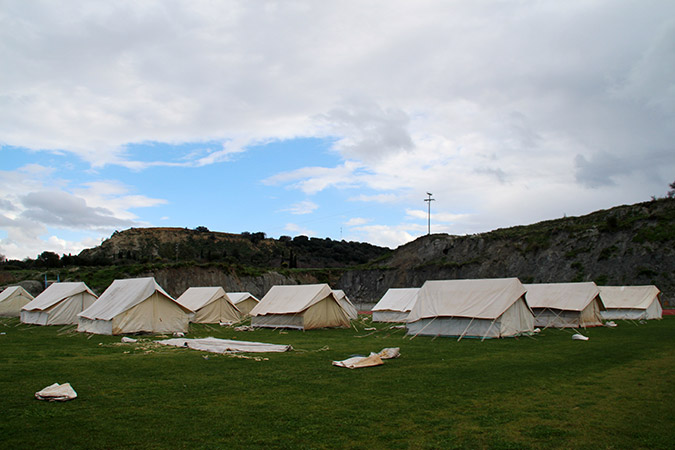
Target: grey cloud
x=62 y=209
x=600 y=169
x=7 y=205
x=368 y=131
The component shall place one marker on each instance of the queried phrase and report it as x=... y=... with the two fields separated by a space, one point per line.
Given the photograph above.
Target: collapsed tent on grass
x=59 y=304
x=244 y=302
x=631 y=302
x=132 y=306
x=210 y=305
x=12 y=299
x=565 y=305
x=346 y=304
x=488 y=308
x=302 y=307
x=395 y=305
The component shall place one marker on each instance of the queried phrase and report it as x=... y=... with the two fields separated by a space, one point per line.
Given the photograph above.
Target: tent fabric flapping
x=132 y=306
x=12 y=299
x=210 y=305
x=565 y=305
x=346 y=304
x=631 y=302
x=487 y=308
x=301 y=307
x=244 y=301
x=59 y=304
x=395 y=305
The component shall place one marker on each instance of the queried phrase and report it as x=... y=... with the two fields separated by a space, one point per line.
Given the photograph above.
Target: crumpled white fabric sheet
x=215 y=345
x=374 y=359
x=57 y=393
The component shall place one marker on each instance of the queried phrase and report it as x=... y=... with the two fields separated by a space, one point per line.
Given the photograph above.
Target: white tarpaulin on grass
x=374 y=359
x=215 y=345
x=57 y=393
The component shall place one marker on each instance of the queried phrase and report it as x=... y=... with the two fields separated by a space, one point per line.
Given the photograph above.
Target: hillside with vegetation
x=630 y=244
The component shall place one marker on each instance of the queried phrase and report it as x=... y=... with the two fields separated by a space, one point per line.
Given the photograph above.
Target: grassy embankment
x=613 y=391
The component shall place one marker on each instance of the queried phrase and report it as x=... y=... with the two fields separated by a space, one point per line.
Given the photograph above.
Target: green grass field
x=614 y=391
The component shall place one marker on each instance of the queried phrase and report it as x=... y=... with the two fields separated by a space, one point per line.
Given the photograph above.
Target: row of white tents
x=142 y=305
x=505 y=307
x=476 y=308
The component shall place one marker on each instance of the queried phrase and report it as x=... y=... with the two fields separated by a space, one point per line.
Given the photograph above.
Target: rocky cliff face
x=622 y=246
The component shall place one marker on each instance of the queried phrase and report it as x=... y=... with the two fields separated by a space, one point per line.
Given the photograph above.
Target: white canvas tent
x=631 y=302
x=565 y=305
x=488 y=308
x=210 y=305
x=59 y=304
x=12 y=299
x=299 y=306
x=395 y=305
x=244 y=302
x=132 y=306
x=346 y=304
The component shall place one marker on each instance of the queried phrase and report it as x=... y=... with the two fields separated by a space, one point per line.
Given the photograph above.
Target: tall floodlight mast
x=429 y=200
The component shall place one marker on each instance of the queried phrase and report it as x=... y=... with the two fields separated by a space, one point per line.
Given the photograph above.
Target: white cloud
x=356 y=221
x=303 y=207
x=496 y=108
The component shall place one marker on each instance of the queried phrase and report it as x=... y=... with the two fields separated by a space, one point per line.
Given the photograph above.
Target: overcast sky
x=329 y=119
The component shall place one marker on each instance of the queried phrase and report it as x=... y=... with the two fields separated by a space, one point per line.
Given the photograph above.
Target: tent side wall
x=219 y=310
x=246 y=306
x=590 y=316
x=390 y=316
x=278 y=321
x=156 y=314
x=517 y=319
x=623 y=314
x=324 y=314
x=555 y=318
x=350 y=310
x=11 y=307
x=85 y=325
x=453 y=327
x=36 y=317
x=655 y=310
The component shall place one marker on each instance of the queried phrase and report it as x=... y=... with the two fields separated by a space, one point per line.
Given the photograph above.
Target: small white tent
x=487 y=308
x=132 y=306
x=59 y=304
x=565 y=305
x=346 y=304
x=631 y=302
x=244 y=302
x=210 y=305
x=395 y=305
x=299 y=306
x=12 y=299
